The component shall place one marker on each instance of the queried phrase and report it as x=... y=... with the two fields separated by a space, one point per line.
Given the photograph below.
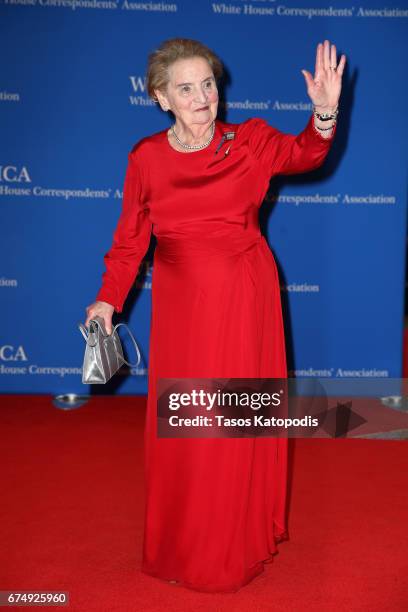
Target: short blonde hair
x=171 y=50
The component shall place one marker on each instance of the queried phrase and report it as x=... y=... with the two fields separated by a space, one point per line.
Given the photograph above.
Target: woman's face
x=191 y=93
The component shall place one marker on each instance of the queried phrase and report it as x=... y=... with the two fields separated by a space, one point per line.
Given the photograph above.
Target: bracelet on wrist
x=326 y=116
x=322 y=129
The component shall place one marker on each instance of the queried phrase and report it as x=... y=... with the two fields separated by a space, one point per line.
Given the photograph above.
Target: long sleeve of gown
x=130 y=240
x=281 y=153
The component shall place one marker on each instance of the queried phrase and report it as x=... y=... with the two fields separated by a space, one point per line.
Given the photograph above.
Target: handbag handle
x=134 y=343
x=85 y=334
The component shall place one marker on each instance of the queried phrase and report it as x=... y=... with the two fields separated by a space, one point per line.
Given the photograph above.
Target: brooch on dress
x=226 y=136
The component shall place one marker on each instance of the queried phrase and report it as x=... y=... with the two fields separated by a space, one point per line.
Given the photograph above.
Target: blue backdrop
x=73 y=103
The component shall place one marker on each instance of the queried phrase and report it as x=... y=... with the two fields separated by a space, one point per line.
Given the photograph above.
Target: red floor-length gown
x=215 y=508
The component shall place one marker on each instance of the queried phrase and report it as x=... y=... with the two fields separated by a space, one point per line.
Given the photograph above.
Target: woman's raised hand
x=325 y=87
x=103 y=310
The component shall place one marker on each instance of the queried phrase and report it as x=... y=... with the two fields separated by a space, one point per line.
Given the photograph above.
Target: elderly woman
x=215 y=507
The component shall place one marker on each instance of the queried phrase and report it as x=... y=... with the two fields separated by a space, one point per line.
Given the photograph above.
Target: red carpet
x=72 y=517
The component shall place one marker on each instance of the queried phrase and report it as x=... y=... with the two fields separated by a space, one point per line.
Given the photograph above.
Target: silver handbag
x=103 y=352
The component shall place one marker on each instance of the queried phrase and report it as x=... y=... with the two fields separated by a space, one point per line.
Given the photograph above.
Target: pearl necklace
x=195 y=147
